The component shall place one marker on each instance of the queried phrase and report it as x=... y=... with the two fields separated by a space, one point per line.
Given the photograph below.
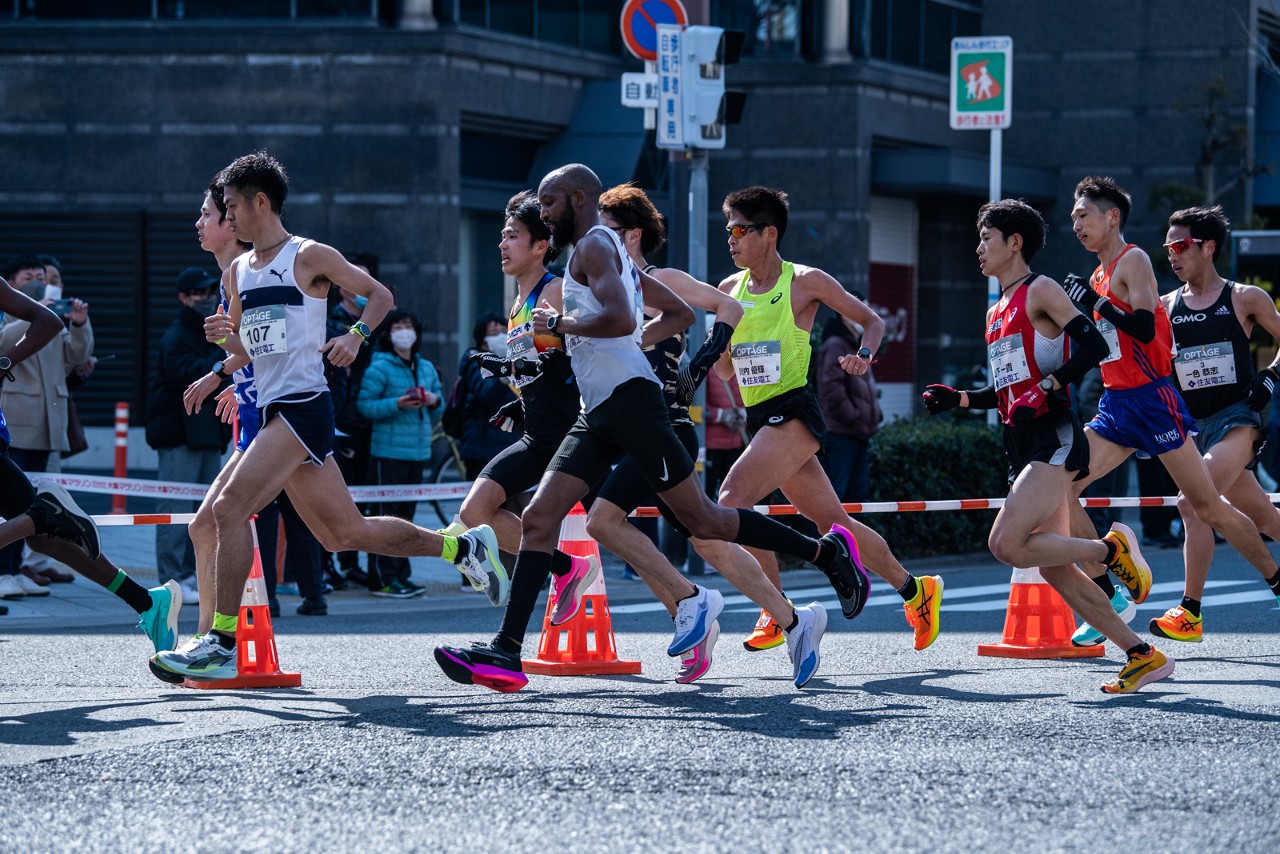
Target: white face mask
x=497 y=344
x=403 y=339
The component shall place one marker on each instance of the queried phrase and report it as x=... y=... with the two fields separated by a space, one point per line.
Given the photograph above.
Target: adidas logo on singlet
x=1222 y=309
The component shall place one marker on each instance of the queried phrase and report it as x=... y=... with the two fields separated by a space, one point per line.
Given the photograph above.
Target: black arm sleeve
x=1091 y=348
x=1140 y=325
x=982 y=398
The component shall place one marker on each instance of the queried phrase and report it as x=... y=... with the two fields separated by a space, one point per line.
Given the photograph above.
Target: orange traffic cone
x=256 y=656
x=1038 y=623
x=584 y=645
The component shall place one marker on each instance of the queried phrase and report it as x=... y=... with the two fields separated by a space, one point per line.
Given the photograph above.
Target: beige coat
x=35 y=404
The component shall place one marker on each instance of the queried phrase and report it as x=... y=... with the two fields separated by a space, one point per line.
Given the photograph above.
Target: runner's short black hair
x=1205 y=223
x=258 y=173
x=1106 y=194
x=1015 y=216
x=523 y=207
x=761 y=205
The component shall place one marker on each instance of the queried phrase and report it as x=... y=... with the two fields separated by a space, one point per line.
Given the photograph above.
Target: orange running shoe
x=1178 y=624
x=1140 y=670
x=1128 y=565
x=924 y=609
x=767 y=634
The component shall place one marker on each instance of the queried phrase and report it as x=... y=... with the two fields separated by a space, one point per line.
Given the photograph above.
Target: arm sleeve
x=1090 y=349
x=982 y=398
x=1140 y=325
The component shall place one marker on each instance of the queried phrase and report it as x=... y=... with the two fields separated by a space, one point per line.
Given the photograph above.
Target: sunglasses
x=1177 y=247
x=740 y=231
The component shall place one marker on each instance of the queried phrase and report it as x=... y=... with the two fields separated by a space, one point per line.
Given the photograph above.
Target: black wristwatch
x=217 y=369
x=552 y=322
x=865 y=353
x=1046 y=385
x=6 y=364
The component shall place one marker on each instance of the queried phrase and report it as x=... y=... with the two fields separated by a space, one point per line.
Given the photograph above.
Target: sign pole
x=994 y=192
x=699 y=166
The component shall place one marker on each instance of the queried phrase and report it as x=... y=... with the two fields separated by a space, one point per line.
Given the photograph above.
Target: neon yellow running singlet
x=770 y=353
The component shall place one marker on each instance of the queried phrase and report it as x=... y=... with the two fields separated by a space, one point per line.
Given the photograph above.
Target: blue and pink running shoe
x=846 y=573
x=485 y=664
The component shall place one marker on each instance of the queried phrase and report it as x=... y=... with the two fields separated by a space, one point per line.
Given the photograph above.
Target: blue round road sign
x=640 y=20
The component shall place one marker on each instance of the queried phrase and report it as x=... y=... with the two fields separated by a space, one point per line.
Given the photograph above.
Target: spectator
x=190 y=447
x=851 y=408
x=35 y=402
x=351 y=447
x=400 y=395
x=482 y=441
x=726 y=419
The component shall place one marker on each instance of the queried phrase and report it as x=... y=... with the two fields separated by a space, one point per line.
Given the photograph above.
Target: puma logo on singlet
x=279 y=275
x=775 y=299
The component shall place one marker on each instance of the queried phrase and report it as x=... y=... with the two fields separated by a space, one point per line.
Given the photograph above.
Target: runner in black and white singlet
x=623 y=413
x=276 y=318
x=1213 y=320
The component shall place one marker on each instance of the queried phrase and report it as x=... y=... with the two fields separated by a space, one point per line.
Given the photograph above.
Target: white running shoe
x=803 y=641
x=694 y=616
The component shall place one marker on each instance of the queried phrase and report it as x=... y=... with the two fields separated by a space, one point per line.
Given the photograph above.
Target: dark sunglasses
x=740 y=231
x=1177 y=247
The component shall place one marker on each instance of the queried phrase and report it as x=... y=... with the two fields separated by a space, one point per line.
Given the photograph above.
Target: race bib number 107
x=262 y=330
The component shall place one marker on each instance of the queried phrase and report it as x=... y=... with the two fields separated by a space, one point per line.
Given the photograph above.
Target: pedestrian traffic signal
x=707 y=106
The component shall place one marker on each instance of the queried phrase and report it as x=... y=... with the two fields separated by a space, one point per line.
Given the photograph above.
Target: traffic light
x=707 y=106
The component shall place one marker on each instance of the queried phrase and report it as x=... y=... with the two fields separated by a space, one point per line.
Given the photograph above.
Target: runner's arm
x=1137 y=287
x=1046 y=297
x=596 y=263
x=45 y=325
x=675 y=314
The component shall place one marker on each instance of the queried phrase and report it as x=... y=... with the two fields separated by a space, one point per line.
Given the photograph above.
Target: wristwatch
x=552 y=322
x=865 y=353
x=217 y=369
x=5 y=364
x=1046 y=384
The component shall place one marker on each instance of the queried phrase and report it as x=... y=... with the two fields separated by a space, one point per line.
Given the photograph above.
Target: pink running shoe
x=697 y=661
x=570 y=587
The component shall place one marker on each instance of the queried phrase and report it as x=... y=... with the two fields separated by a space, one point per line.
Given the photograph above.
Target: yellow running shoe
x=1178 y=624
x=767 y=634
x=1128 y=565
x=1140 y=670
x=924 y=609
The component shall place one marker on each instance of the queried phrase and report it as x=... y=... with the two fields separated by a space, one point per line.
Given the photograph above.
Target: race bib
x=520 y=346
x=262 y=330
x=1008 y=360
x=758 y=363
x=1108 y=330
x=1205 y=366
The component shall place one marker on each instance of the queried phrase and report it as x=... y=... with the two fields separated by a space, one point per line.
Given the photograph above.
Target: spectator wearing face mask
x=482 y=441
x=189 y=446
x=401 y=395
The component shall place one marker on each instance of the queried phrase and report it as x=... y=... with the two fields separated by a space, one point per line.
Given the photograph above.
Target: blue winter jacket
x=399 y=434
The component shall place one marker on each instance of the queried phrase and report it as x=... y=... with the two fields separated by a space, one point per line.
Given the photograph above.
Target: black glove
x=554 y=365
x=692 y=374
x=1261 y=388
x=509 y=418
x=1078 y=291
x=492 y=365
x=940 y=398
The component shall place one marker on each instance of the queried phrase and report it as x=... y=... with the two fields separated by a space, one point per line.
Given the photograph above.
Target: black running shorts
x=797 y=403
x=1056 y=439
x=627 y=488
x=519 y=467
x=310 y=420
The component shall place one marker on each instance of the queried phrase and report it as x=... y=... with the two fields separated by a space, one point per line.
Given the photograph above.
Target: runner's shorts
x=309 y=420
x=797 y=403
x=1215 y=428
x=1056 y=439
x=632 y=422
x=627 y=488
x=1151 y=419
x=519 y=467
x=250 y=422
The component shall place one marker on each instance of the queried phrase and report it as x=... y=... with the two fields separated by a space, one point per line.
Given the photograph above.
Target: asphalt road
x=887 y=749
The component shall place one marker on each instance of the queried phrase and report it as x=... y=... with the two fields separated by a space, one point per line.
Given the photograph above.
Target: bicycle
x=450 y=469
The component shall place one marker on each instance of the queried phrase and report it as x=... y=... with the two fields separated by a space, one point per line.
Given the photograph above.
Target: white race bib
x=1205 y=366
x=262 y=330
x=758 y=363
x=1108 y=330
x=1008 y=360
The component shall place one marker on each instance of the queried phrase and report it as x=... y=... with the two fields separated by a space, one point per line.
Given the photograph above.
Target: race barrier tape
x=196 y=491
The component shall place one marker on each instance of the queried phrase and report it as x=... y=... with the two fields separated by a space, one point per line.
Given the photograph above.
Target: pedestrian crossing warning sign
x=981 y=82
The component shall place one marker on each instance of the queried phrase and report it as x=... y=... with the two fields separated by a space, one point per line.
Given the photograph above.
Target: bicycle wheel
x=447 y=471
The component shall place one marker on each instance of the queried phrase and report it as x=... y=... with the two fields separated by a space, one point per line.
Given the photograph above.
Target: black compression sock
x=795 y=620
x=761 y=532
x=909 y=589
x=1191 y=606
x=826 y=554
x=1140 y=649
x=560 y=563
x=227 y=641
x=527 y=578
x=1112 y=551
x=1104 y=582
x=133 y=593
x=1274 y=583
x=506 y=644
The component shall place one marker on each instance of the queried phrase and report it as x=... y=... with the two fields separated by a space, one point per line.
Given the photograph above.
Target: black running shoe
x=483 y=664
x=846 y=572
x=314 y=606
x=65 y=520
x=165 y=675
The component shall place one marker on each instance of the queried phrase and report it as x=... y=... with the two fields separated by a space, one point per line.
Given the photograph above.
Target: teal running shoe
x=201 y=659
x=1087 y=635
x=160 y=621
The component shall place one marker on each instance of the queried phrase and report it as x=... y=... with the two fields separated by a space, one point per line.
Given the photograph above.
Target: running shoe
x=803 y=642
x=165 y=675
x=1178 y=624
x=65 y=520
x=1140 y=670
x=457 y=529
x=482 y=564
x=397 y=589
x=160 y=621
x=846 y=572
x=201 y=659
x=1128 y=565
x=1087 y=635
x=694 y=616
x=568 y=589
x=767 y=634
x=314 y=606
x=697 y=661
x=925 y=609
x=29 y=587
x=485 y=664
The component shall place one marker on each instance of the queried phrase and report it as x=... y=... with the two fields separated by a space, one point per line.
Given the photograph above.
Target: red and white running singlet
x=1019 y=356
x=1132 y=363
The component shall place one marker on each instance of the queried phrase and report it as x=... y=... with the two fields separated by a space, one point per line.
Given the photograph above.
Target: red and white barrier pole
x=122 y=453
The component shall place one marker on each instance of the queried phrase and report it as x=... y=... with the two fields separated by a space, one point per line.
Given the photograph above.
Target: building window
x=587 y=24
x=914 y=33
x=182 y=10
